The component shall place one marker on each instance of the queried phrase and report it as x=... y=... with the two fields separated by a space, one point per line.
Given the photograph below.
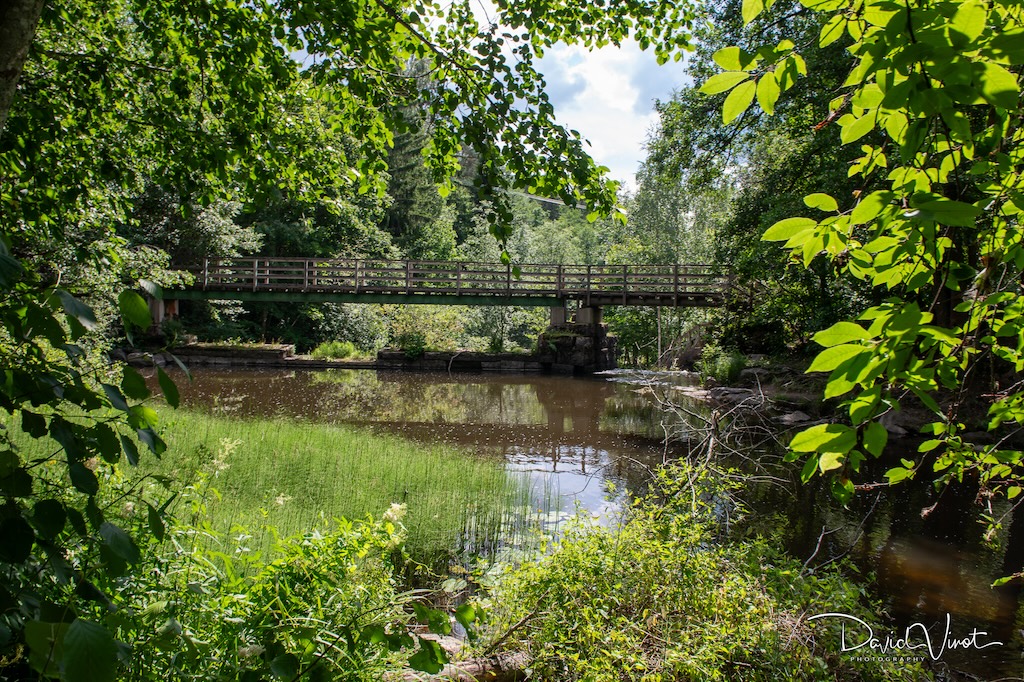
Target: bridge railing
x=608 y=284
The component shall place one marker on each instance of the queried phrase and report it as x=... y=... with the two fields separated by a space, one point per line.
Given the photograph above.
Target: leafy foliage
x=664 y=597
x=933 y=103
x=331 y=350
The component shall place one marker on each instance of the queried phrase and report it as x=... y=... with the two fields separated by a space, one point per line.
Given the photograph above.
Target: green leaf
x=153 y=289
x=134 y=309
x=430 y=658
x=810 y=468
x=465 y=614
x=169 y=388
x=156 y=524
x=870 y=206
x=750 y=9
x=768 y=93
x=822 y=202
x=133 y=384
x=115 y=397
x=131 y=451
x=10 y=271
x=830 y=358
x=90 y=653
x=949 y=212
x=738 y=101
x=733 y=59
x=841 y=332
x=46 y=646
x=854 y=128
x=285 y=667
x=862 y=407
x=17 y=483
x=76 y=309
x=830 y=461
x=120 y=543
x=787 y=228
x=16 y=538
x=155 y=444
x=824 y=438
x=49 y=517
x=33 y=424
x=723 y=81
x=83 y=479
x=997 y=85
x=969 y=20
x=875 y=438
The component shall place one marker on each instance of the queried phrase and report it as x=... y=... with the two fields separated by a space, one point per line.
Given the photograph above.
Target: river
x=590 y=443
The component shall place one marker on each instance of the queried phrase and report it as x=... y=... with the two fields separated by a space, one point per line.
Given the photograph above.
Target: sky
x=608 y=96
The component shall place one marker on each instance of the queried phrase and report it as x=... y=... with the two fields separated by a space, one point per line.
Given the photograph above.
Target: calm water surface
x=589 y=443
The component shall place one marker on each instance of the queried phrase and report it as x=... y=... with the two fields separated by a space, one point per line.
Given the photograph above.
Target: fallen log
x=496 y=668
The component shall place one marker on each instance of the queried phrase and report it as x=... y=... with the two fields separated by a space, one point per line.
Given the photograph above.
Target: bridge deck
x=316 y=279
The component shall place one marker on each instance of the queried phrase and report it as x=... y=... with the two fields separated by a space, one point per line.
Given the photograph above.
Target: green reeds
x=296 y=477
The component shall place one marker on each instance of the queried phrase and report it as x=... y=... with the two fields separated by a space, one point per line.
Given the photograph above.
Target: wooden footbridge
x=312 y=280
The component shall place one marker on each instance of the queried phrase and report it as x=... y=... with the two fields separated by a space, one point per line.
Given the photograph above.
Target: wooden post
x=625 y=282
x=458 y=278
x=559 y=282
x=588 y=285
x=408 y=275
x=676 y=284
x=355 y=276
x=206 y=273
x=508 y=279
x=255 y=272
x=305 y=275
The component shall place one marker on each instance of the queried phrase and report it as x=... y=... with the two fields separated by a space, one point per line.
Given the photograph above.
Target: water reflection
x=592 y=442
x=582 y=442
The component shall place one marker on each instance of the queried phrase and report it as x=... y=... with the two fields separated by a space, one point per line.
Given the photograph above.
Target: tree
x=99 y=101
x=933 y=103
x=737 y=180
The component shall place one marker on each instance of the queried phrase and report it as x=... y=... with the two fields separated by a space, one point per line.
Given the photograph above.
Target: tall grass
x=297 y=477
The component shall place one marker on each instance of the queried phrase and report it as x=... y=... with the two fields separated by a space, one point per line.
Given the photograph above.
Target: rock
x=792 y=418
x=731 y=394
x=138 y=359
x=889 y=421
x=117 y=355
x=755 y=375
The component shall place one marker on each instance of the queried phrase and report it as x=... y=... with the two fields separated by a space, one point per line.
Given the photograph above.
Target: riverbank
x=296 y=477
x=566 y=349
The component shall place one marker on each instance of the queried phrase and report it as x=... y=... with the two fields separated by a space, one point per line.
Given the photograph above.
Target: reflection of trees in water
x=924 y=565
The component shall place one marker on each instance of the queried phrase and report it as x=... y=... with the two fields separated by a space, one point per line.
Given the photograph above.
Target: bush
x=724 y=366
x=334 y=350
x=413 y=343
x=202 y=605
x=665 y=597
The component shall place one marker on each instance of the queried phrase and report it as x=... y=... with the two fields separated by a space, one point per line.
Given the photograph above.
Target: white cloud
x=607 y=95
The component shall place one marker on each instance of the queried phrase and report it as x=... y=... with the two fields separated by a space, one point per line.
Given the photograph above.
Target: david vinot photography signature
x=910 y=641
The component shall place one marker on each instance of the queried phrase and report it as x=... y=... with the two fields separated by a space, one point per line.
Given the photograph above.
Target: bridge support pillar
x=577 y=347
x=161 y=309
x=589 y=315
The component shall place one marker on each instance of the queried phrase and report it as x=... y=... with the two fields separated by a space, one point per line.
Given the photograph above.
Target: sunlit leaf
x=738 y=101
x=724 y=81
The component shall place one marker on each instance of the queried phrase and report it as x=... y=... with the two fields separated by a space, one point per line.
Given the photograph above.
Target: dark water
x=590 y=443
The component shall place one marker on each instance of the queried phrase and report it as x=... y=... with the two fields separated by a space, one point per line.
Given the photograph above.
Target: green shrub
x=724 y=366
x=334 y=350
x=201 y=604
x=665 y=597
x=413 y=343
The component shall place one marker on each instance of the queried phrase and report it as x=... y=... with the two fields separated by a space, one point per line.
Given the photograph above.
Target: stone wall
x=577 y=348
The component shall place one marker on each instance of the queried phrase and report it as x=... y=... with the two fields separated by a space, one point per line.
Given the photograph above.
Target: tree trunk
x=18 y=21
